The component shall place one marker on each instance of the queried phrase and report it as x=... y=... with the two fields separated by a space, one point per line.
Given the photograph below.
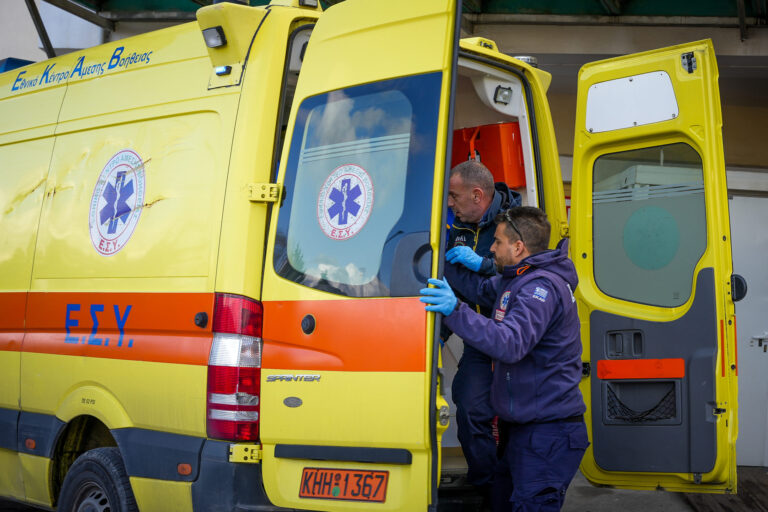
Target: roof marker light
x=214 y=37
x=528 y=59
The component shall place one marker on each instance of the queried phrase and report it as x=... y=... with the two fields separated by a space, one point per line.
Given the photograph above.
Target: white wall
x=67 y=31
x=19 y=39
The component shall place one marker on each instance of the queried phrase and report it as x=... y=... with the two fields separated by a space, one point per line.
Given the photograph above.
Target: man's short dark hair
x=527 y=223
x=475 y=174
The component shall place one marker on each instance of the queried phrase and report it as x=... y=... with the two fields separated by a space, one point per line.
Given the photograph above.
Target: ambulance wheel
x=97 y=482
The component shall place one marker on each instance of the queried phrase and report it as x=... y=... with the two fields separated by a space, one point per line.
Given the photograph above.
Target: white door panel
x=750 y=247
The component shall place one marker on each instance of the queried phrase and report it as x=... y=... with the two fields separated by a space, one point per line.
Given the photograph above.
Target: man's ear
x=521 y=246
x=477 y=194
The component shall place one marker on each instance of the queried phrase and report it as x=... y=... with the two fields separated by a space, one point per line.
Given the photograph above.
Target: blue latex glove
x=466 y=256
x=441 y=298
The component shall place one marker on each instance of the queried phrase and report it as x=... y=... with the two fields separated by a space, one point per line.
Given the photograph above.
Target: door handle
x=738 y=287
x=761 y=340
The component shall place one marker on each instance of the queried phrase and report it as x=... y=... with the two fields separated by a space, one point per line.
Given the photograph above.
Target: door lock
x=444 y=415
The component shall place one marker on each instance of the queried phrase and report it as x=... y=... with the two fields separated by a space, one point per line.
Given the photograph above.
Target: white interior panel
x=476 y=78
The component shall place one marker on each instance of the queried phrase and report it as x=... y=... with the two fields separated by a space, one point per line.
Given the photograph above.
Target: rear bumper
x=226 y=486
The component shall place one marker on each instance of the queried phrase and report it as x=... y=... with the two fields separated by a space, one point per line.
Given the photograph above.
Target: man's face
x=506 y=252
x=464 y=200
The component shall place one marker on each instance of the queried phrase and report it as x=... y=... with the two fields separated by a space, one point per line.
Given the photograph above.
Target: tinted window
x=359 y=188
x=649 y=223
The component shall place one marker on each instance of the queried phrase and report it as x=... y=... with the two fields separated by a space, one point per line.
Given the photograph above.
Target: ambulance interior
x=490 y=124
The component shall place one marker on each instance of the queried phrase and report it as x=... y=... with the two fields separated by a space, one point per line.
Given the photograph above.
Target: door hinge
x=264 y=192
x=564 y=230
x=245 y=453
x=586 y=369
x=718 y=410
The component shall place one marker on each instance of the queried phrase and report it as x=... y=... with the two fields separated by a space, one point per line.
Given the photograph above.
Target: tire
x=97 y=482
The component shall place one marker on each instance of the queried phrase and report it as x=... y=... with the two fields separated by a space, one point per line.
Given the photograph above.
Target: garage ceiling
x=738 y=14
x=756 y=9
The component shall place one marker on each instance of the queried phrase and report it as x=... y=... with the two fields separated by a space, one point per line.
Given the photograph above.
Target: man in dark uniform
x=533 y=338
x=476 y=201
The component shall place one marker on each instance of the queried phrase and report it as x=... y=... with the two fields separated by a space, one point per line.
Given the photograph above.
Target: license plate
x=344 y=484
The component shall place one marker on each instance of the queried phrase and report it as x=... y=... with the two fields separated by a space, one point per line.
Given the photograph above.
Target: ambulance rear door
x=652 y=246
x=348 y=406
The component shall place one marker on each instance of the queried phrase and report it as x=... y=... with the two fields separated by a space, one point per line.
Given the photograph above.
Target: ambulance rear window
x=650 y=227
x=359 y=189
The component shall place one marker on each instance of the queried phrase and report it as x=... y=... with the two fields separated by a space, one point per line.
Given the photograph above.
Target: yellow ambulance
x=212 y=239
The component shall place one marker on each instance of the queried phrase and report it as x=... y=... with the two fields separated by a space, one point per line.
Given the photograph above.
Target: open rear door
x=652 y=247
x=348 y=399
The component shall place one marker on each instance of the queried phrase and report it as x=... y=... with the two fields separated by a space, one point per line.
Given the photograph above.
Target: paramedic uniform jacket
x=532 y=335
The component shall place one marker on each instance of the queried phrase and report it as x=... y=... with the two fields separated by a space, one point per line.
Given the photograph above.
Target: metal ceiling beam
x=38 y=21
x=587 y=20
x=475 y=6
x=612 y=6
x=81 y=12
x=761 y=9
x=742 y=19
x=467 y=27
x=172 y=16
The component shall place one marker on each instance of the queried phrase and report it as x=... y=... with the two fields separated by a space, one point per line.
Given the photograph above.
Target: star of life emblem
x=505 y=300
x=345 y=202
x=116 y=202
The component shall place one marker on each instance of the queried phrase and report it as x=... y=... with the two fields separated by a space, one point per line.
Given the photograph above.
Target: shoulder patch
x=504 y=302
x=540 y=294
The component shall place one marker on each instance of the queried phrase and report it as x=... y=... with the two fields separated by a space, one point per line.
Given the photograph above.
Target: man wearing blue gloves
x=475 y=202
x=533 y=338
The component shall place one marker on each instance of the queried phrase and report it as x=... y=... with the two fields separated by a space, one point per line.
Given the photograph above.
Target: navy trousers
x=471 y=392
x=538 y=464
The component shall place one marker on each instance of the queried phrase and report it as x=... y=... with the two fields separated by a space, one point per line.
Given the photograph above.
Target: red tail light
x=234 y=369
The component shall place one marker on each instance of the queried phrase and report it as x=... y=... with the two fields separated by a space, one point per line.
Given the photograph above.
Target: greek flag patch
x=540 y=294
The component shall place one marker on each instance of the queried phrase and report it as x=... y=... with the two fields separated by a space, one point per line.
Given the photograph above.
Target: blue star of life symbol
x=116 y=210
x=344 y=202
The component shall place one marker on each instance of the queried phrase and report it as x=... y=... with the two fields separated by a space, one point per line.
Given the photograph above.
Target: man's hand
x=466 y=256
x=442 y=298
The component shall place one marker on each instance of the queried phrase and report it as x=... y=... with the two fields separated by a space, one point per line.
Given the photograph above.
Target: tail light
x=234 y=369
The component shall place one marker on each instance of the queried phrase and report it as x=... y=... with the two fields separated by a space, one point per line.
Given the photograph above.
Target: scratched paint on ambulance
x=116 y=202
